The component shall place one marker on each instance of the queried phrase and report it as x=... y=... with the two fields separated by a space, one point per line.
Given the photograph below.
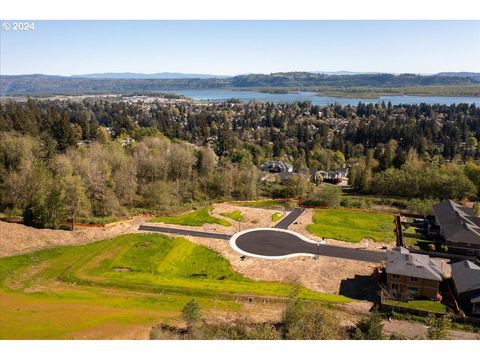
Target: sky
x=240 y=47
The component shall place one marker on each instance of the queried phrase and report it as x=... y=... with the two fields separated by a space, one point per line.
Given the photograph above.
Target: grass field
x=193 y=218
x=234 y=215
x=277 y=216
x=268 y=204
x=101 y=289
x=425 y=305
x=352 y=226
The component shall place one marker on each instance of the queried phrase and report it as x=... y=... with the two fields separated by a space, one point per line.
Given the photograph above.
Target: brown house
x=411 y=276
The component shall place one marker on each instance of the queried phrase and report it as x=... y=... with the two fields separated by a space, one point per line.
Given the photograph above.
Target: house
x=412 y=275
x=466 y=278
x=340 y=173
x=276 y=166
x=459 y=227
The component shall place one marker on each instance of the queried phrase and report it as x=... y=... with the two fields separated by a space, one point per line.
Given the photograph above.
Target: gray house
x=466 y=277
x=276 y=166
x=459 y=227
x=412 y=275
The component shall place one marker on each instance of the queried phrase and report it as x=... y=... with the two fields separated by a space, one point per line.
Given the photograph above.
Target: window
x=395 y=276
x=394 y=286
x=413 y=279
x=413 y=290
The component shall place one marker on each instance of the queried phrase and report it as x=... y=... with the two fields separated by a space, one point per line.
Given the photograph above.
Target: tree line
x=84 y=161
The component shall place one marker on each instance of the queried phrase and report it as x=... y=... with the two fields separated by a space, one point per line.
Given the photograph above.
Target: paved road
x=276 y=243
x=176 y=231
x=290 y=218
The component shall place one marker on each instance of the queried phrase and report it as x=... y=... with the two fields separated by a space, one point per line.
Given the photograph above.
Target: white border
x=234 y=246
x=239 y=10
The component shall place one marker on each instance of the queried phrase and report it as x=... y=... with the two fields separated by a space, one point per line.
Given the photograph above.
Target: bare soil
x=18 y=239
x=325 y=274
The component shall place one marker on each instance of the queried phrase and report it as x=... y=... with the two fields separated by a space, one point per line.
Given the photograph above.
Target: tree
x=438 y=327
x=476 y=208
x=75 y=198
x=191 y=313
x=369 y=328
x=302 y=321
x=45 y=207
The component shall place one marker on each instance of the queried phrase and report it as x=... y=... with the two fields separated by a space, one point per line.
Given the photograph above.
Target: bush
x=442 y=248
x=324 y=196
x=421 y=206
x=302 y=321
x=438 y=327
x=191 y=313
x=370 y=328
x=356 y=203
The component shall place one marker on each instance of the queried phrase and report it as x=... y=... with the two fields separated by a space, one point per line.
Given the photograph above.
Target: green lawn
x=425 y=305
x=193 y=218
x=352 y=226
x=268 y=204
x=277 y=216
x=234 y=215
x=98 y=289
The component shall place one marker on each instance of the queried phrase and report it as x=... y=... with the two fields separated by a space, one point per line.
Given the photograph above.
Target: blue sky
x=236 y=47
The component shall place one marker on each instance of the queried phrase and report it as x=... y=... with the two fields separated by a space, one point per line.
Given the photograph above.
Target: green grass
x=78 y=291
x=277 y=216
x=352 y=226
x=193 y=218
x=425 y=305
x=234 y=215
x=268 y=204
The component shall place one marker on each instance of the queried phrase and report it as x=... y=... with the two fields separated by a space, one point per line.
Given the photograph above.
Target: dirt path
x=414 y=330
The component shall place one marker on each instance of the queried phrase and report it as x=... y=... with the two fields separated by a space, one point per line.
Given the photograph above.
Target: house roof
x=458 y=223
x=466 y=276
x=276 y=165
x=401 y=262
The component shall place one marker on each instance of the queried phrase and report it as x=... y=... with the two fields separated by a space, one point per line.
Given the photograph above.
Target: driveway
x=177 y=231
x=290 y=218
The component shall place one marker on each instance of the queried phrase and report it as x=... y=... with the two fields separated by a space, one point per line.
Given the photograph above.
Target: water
x=220 y=94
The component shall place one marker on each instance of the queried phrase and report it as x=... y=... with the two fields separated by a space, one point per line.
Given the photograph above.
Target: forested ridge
x=67 y=159
x=46 y=84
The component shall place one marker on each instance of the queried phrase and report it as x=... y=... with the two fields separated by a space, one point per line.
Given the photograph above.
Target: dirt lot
x=329 y=275
x=18 y=239
x=253 y=218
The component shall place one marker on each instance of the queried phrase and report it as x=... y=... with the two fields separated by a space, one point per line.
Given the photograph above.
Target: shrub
x=431 y=247
x=421 y=206
x=191 y=313
x=370 y=328
x=438 y=327
x=325 y=196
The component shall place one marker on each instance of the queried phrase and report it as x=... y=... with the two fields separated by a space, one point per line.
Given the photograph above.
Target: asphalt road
x=170 y=230
x=290 y=218
x=276 y=243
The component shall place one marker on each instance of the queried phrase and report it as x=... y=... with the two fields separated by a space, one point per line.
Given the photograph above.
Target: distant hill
x=47 y=85
x=162 y=75
x=471 y=75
